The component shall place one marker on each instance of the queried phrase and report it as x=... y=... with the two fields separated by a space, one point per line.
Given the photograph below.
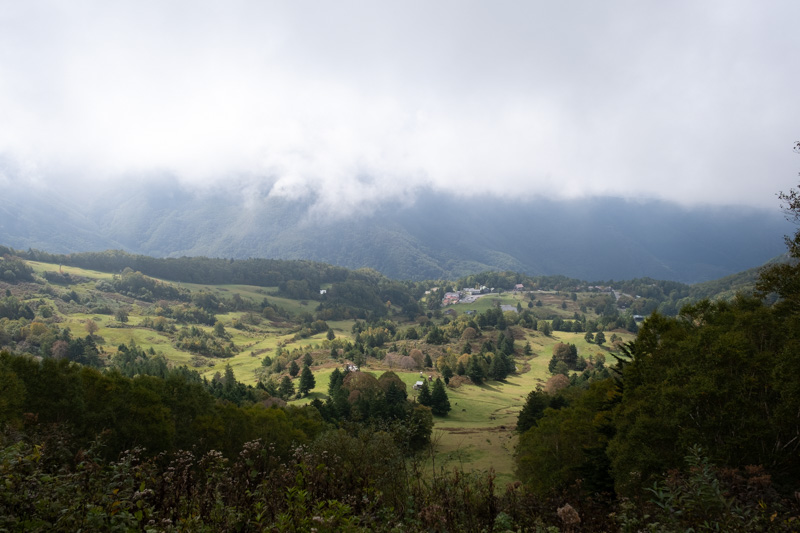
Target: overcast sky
x=694 y=101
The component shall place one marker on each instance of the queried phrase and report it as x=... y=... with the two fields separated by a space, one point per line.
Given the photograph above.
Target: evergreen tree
x=436 y=336
x=424 y=397
x=440 y=404
x=508 y=362
x=507 y=346
x=340 y=404
x=447 y=373
x=294 y=369
x=286 y=388
x=497 y=368
x=501 y=322
x=335 y=381
x=475 y=370
x=551 y=366
x=229 y=381
x=535 y=404
x=307 y=359
x=307 y=381
x=600 y=338
x=572 y=357
x=270 y=387
x=428 y=362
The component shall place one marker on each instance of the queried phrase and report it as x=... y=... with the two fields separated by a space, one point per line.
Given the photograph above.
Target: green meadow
x=478 y=433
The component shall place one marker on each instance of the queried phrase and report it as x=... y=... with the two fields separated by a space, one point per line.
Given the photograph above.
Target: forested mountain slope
x=432 y=237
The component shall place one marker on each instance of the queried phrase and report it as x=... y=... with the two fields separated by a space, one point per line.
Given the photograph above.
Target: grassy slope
x=477 y=434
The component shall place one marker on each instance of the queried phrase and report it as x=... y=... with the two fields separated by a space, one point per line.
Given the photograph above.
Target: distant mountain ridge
x=437 y=236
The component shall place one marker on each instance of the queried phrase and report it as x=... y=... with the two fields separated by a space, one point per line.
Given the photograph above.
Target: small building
x=418 y=385
x=451 y=298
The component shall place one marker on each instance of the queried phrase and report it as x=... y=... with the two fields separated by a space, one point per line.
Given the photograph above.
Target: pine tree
x=270 y=386
x=475 y=370
x=532 y=411
x=497 y=368
x=294 y=369
x=286 y=388
x=335 y=381
x=424 y=397
x=508 y=363
x=507 y=347
x=229 y=381
x=447 y=373
x=501 y=322
x=440 y=404
x=307 y=381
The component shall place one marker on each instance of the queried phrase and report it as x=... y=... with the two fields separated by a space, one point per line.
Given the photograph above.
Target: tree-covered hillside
x=431 y=236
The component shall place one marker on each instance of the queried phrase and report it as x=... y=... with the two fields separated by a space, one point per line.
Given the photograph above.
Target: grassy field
x=94 y=275
x=479 y=432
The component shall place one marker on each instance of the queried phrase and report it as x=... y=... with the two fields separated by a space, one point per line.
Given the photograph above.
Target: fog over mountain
x=423 y=139
x=427 y=236
x=346 y=104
